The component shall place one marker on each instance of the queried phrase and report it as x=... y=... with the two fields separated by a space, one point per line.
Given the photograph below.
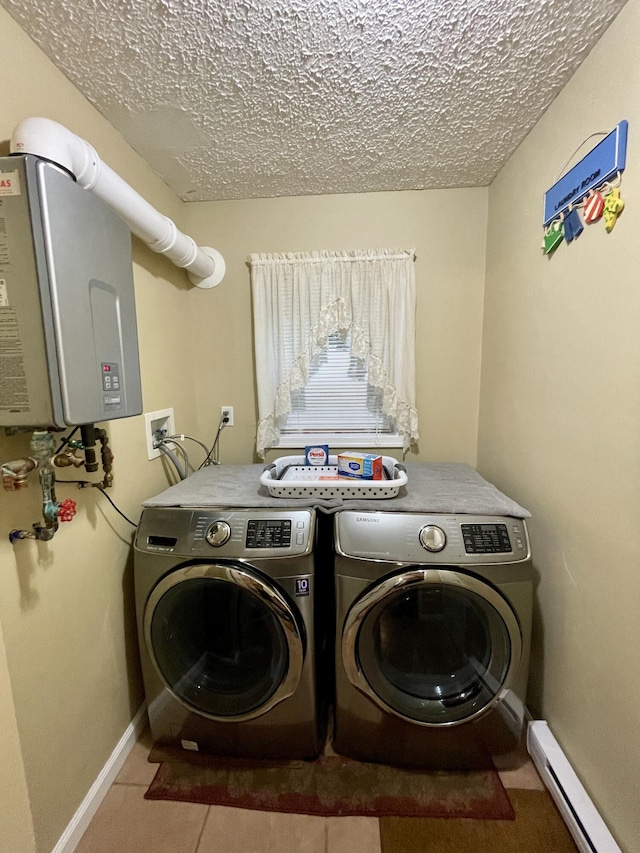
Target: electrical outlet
x=161 y=422
x=228 y=411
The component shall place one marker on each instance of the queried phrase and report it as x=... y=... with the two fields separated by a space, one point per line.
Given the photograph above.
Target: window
x=338 y=405
x=335 y=348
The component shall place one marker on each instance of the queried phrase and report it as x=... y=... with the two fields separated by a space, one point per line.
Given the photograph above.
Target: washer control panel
x=226 y=533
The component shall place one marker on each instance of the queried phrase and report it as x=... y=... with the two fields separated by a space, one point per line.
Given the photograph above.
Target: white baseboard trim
x=97 y=792
x=589 y=831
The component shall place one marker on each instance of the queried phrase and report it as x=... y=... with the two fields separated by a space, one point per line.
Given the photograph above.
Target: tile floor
x=127 y=823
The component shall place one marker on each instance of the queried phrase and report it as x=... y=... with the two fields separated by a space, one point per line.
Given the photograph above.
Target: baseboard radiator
x=589 y=831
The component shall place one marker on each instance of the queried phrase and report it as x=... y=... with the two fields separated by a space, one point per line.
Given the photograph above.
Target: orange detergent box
x=362 y=466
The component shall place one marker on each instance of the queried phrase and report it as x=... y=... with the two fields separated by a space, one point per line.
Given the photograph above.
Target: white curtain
x=301 y=299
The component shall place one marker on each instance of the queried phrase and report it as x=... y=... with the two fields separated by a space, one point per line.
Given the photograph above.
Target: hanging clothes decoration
x=572 y=225
x=553 y=236
x=593 y=184
x=613 y=207
x=593 y=206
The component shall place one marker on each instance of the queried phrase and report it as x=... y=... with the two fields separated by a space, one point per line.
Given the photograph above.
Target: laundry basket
x=290 y=477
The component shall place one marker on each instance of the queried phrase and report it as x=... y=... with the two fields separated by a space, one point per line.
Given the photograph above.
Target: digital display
x=269 y=533
x=111 y=384
x=486 y=538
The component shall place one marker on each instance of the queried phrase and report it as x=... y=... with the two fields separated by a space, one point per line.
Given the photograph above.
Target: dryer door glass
x=219 y=647
x=435 y=653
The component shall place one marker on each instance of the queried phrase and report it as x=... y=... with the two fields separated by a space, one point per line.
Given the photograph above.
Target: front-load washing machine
x=225 y=602
x=433 y=625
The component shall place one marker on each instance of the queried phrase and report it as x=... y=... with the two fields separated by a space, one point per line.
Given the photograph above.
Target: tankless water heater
x=68 y=336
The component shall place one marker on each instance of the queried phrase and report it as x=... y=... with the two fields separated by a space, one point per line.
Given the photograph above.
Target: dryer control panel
x=229 y=533
x=423 y=538
x=486 y=538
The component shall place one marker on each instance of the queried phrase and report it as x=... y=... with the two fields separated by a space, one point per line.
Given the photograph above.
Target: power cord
x=84 y=483
x=66 y=439
x=119 y=511
x=212 y=458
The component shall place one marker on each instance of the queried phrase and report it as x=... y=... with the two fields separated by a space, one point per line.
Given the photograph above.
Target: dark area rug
x=330 y=786
x=537 y=828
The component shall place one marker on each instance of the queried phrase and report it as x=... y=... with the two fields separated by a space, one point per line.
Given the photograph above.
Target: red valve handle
x=66 y=510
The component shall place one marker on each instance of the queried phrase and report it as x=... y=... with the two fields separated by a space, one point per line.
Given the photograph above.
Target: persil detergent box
x=317 y=454
x=363 y=466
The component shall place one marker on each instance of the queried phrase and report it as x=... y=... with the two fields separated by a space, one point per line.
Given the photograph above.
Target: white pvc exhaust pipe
x=51 y=141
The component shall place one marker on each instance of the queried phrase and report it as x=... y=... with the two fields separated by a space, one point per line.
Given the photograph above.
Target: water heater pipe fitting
x=51 y=141
x=15 y=473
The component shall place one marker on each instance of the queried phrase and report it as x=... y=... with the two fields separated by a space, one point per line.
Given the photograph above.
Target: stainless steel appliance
x=69 y=350
x=433 y=624
x=225 y=604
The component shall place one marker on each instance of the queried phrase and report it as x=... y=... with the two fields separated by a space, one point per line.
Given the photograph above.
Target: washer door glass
x=224 y=641
x=431 y=651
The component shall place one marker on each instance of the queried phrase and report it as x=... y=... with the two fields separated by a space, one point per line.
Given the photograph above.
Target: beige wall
x=16 y=828
x=447 y=229
x=66 y=607
x=559 y=426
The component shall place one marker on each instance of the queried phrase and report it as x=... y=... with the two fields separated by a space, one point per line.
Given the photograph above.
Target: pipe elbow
x=46 y=138
x=44 y=534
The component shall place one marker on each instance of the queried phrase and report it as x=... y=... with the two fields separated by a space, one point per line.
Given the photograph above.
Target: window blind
x=338 y=404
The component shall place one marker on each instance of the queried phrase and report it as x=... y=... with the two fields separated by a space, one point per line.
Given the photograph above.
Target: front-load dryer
x=225 y=603
x=433 y=626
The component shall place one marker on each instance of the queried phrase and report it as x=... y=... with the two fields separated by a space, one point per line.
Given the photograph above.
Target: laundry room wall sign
x=592 y=186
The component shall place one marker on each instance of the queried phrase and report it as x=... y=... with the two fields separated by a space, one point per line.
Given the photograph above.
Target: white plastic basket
x=289 y=477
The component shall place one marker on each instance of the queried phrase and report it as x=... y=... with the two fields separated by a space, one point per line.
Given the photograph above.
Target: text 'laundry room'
x=319 y=394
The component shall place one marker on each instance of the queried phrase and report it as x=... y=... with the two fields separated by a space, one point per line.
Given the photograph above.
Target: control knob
x=432 y=538
x=218 y=533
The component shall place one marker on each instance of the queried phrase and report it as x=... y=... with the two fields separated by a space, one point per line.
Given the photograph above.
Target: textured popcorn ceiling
x=254 y=98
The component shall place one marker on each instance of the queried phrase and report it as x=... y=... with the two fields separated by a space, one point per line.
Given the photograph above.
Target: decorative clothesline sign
x=603 y=162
